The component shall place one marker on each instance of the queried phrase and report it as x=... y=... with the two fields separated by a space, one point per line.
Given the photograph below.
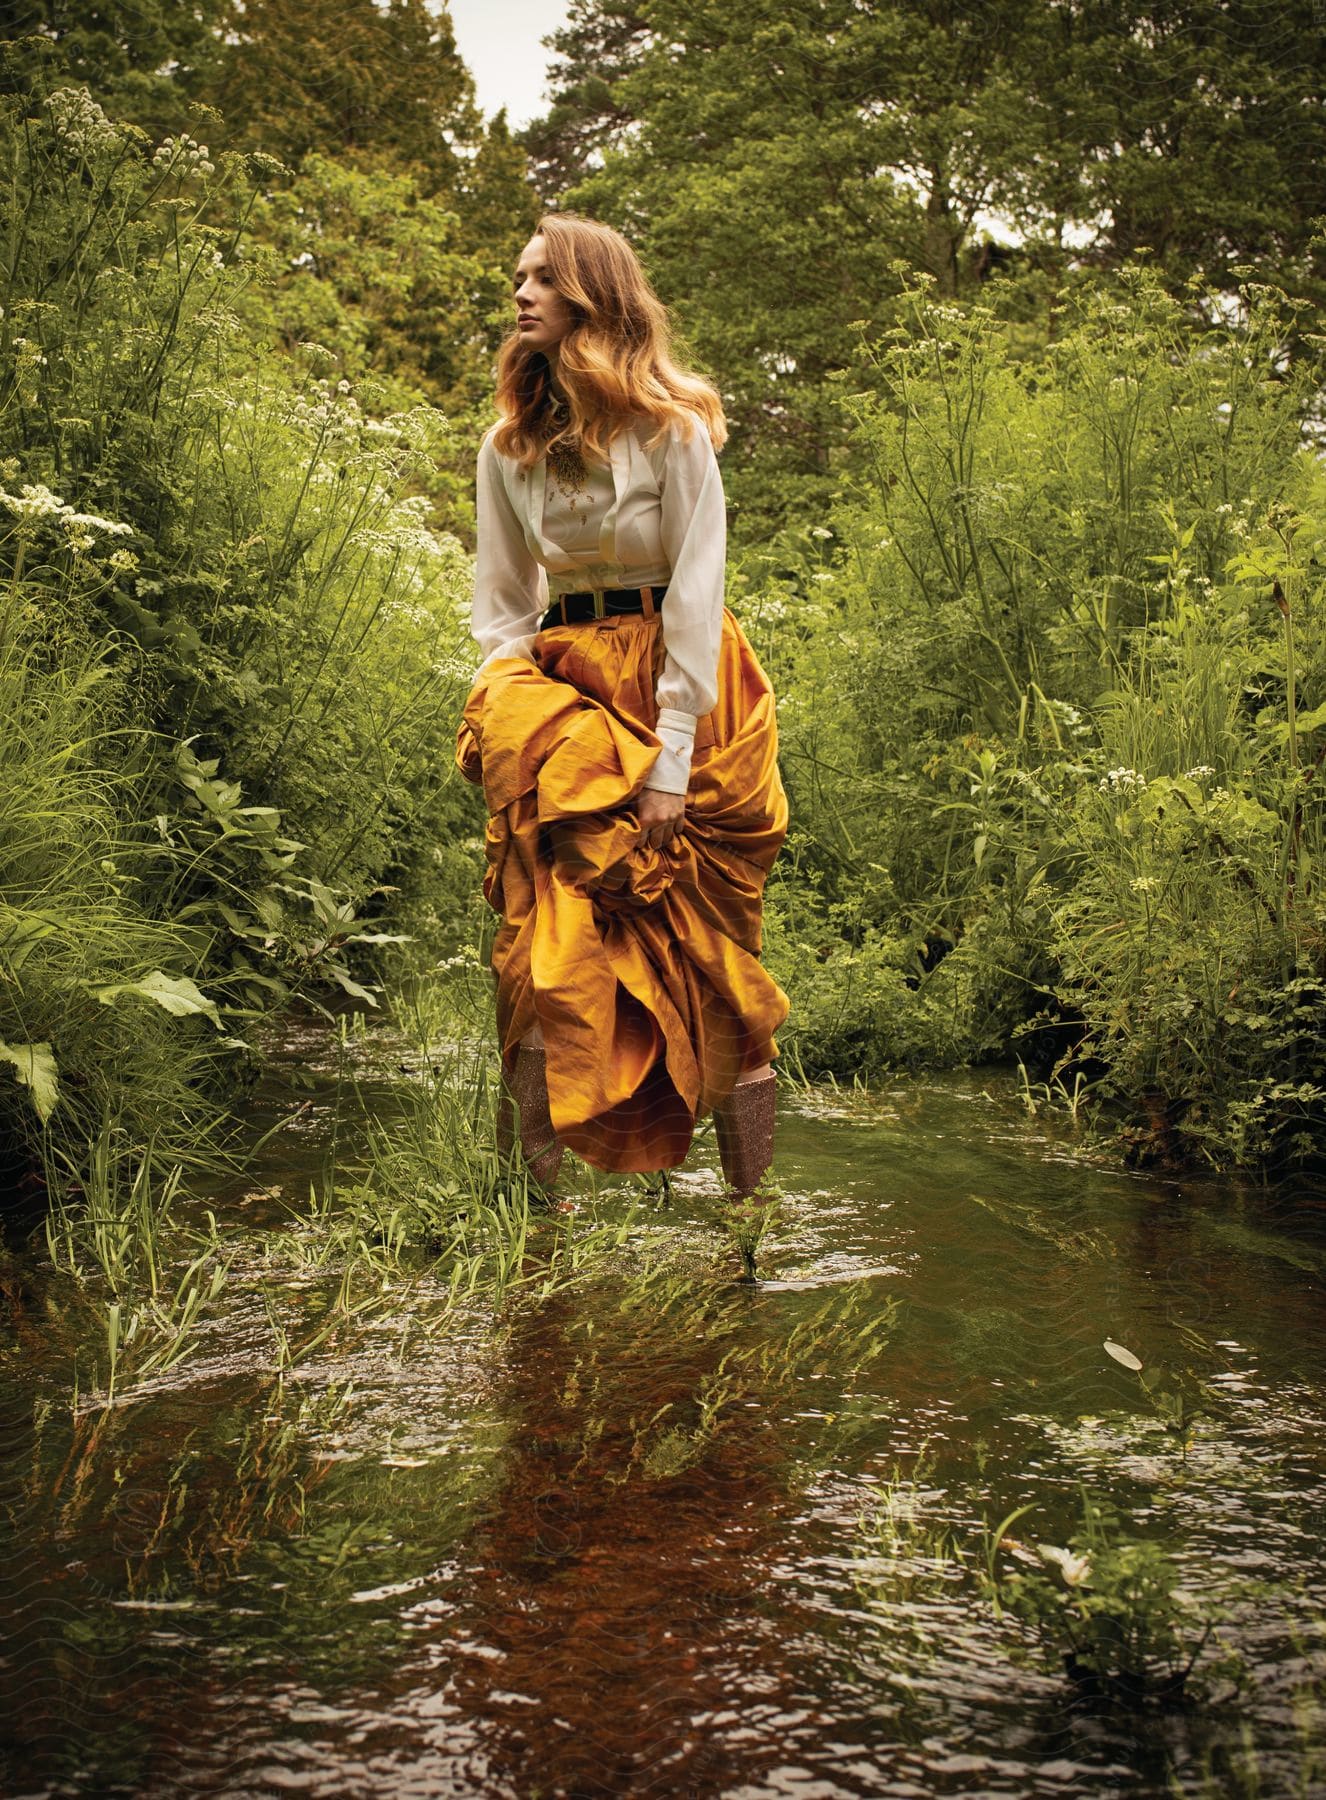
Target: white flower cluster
x=408 y=612
x=1121 y=781
x=79 y=122
x=332 y=414
x=465 y=958
x=1143 y=884
x=35 y=502
x=185 y=155
x=1202 y=772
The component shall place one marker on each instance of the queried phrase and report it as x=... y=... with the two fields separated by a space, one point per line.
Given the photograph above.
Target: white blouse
x=663 y=523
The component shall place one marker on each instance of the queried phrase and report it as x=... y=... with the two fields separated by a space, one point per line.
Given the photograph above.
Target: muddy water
x=657 y=1533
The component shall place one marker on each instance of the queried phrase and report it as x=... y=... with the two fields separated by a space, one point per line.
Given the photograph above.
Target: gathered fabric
x=640 y=965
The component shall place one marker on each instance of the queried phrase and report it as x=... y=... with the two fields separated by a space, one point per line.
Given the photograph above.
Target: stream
x=629 y=1526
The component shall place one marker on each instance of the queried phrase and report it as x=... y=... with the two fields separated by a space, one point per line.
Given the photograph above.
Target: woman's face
x=543 y=315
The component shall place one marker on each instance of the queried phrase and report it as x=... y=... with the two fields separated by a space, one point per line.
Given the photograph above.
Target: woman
x=624 y=734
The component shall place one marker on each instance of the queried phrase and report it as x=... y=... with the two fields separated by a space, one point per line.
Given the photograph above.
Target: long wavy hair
x=615 y=365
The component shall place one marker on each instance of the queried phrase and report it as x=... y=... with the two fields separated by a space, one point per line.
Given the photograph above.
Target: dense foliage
x=1068 y=797
x=231 y=640
x=1012 y=309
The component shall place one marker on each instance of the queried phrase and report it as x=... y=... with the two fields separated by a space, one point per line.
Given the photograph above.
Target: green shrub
x=253 y=643
x=1068 y=790
x=101 y=1020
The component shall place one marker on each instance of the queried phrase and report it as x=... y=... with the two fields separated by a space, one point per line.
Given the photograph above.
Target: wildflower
x=820 y=531
x=406 y=612
x=1143 y=884
x=1121 y=781
x=1202 y=772
x=77 y=521
x=183 y=156
x=79 y=123
x=34 y=501
x=1074 y=1569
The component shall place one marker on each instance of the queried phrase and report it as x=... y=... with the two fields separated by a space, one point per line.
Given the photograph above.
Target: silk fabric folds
x=640 y=965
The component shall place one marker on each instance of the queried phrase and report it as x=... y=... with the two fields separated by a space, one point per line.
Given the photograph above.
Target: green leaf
x=176 y=993
x=34 y=1065
x=346 y=981
x=1305 y=722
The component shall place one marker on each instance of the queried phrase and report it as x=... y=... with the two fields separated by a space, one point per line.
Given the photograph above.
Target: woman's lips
x=527 y=320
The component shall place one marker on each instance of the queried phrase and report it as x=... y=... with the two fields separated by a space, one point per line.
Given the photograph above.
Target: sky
x=499 y=40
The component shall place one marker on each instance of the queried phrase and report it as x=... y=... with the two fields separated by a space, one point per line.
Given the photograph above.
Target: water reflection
x=642 y=1509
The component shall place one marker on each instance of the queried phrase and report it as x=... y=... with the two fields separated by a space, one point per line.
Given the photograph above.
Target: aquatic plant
x=1178 y=1394
x=1107 y=1608
x=901 y=1546
x=748 y=1222
x=130 y=1264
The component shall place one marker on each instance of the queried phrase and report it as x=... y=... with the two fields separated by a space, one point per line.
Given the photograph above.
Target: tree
x=392 y=283
x=146 y=61
x=776 y=163
x=347 y=77
x=602 y=42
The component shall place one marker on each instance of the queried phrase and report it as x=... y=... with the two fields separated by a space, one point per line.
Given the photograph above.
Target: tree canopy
x=780 y=166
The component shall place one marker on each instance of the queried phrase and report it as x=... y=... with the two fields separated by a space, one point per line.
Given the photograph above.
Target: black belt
x=573 y=609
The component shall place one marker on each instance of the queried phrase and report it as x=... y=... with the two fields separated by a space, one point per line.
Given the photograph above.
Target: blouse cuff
x=671 y=718
x=671 y=773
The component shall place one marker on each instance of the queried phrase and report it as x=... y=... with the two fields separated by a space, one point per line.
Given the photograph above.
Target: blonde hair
x=615 y=364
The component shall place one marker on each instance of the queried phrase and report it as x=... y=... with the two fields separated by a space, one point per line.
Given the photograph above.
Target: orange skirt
x=640 y=965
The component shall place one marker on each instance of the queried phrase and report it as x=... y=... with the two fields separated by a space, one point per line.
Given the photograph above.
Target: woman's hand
x=661 y=817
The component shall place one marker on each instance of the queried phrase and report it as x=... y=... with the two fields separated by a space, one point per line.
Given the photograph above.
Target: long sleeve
x=510 y=586
x=693 y=529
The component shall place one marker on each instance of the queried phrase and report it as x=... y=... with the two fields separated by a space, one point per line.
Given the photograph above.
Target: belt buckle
x=600 y=604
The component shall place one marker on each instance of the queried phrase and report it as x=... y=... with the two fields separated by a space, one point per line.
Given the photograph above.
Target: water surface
x=656 y=1532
